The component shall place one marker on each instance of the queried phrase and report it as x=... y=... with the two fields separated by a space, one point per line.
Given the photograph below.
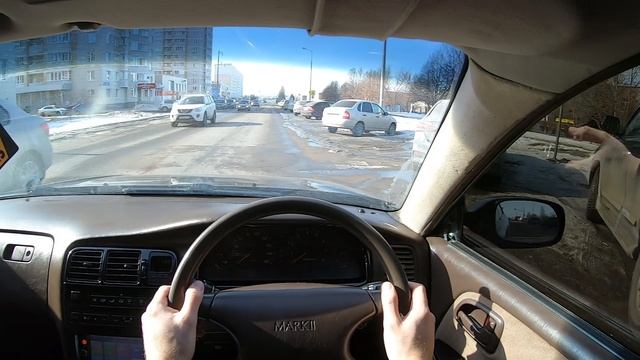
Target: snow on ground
x=65 y=124
x=407 y=115
x=406 y=124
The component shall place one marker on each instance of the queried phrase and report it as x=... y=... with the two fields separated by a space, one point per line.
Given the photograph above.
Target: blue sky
x=332 y=56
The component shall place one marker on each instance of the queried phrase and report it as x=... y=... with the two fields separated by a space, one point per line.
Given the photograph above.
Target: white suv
x=197 y=109
x=359 y=116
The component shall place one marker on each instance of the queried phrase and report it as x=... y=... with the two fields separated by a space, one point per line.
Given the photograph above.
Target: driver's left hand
x=167 y=332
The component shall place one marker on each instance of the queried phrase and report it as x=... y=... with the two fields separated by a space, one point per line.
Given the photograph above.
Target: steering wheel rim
x=219 y=229
x=291 y=310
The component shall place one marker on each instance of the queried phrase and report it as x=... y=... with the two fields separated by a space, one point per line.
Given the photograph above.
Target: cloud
x=265 y=79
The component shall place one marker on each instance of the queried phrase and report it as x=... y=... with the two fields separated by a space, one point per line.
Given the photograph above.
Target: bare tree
x=438 y=74
x=331 y=93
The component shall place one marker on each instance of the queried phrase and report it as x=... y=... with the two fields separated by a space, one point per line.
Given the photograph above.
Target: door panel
x=534 y=326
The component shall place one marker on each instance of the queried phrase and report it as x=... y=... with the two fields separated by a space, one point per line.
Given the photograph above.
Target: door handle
x=483 y=324
x=364 y=114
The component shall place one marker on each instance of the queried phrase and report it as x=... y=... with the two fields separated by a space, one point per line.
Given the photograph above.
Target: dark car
x=243 y=105
x=314 y=109
x=221 y=104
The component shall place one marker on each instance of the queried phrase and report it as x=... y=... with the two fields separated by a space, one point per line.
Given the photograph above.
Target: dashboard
x=91 y=271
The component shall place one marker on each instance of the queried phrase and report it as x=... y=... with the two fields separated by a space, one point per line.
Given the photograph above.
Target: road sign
x=8 y=147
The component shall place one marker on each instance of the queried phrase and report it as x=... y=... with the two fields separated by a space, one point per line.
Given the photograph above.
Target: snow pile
x=67 y=124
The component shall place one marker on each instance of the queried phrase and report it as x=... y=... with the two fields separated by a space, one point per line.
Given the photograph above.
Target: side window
x=366 y=107
x=377 y=109
x=572 y=160
x=360 y=107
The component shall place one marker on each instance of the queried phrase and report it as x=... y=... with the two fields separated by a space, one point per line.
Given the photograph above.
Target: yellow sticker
x=8 y=147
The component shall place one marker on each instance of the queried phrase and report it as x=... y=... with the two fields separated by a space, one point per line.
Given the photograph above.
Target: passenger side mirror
x=517 y=222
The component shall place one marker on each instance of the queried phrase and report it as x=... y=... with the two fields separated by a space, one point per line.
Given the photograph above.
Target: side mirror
x=517 y=222
x=611 y=125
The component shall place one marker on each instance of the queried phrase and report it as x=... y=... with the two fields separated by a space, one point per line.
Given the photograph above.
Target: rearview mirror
x=517 y=222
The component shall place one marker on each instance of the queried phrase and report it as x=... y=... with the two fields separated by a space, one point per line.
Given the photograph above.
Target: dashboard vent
x=85 y=266
x=122 y=267
x=408 y=262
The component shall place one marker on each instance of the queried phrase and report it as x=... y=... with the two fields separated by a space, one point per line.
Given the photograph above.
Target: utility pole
x=555 y=152
x=218 y=72
x=382 y=73
x=310 y=69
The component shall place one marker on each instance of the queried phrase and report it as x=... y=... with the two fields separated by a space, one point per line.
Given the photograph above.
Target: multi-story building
x=185 y=53
x=110 y=68
x=229 y=82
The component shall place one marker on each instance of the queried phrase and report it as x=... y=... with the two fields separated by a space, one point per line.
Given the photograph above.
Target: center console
x=105 y=292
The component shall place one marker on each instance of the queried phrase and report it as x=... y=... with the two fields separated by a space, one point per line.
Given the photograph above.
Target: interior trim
x=317 y=17
x=409 y=7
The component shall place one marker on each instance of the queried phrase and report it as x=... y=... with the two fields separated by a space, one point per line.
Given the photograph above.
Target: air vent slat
x=84 y=266
x=122 y=267
x=407 y=260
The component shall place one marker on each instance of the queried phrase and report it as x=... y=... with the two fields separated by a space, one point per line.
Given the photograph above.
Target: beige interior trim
x=409 y=6
x=317 y=17
x=517 y=340
x=485 y=109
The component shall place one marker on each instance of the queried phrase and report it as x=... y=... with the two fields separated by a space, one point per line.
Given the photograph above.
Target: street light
x=310 y=69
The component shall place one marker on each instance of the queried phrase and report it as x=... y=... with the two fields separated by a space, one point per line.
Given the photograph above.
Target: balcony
x=43 y=86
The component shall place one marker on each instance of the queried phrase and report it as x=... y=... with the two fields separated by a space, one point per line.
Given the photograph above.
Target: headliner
x=546 y=44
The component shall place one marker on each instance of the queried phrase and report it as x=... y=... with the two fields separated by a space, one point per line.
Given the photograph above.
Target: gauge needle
x=243 y=258
x=298 y=258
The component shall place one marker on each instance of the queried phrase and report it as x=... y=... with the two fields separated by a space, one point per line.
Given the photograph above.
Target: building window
x=58 y=75
x=92 y=92
x=139 y=76
x=107 y=57
x=117 y=92
x=134 y=45
x=108 y=92
x=91 y=37
x=20 y=79
x=91 y=57
x=91 y=75
x=107 y=75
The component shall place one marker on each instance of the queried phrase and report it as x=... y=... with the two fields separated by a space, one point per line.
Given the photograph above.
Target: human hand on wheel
x=168 y=333
x=409 y=337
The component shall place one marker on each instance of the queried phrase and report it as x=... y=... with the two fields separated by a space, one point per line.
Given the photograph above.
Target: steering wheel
x=290 y=319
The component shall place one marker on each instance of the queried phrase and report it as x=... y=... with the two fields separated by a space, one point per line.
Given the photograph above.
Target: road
x=261 y=142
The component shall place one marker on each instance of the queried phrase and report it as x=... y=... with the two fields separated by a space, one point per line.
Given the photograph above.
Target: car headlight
x=197 y=110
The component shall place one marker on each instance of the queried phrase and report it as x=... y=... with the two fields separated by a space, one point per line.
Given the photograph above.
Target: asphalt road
x=261 y=142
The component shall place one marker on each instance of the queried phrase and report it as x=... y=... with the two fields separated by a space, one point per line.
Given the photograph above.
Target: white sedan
x=359 y=116
x=51 y=110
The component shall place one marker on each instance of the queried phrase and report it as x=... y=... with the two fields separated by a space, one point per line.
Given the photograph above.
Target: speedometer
x=286 y=253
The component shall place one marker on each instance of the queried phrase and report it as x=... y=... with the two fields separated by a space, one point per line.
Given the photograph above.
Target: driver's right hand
x=409 y=337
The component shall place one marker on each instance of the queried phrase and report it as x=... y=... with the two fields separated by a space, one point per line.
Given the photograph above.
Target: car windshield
x=192 y=100
x=109 y=130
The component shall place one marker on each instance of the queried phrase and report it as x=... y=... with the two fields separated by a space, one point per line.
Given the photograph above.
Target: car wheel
x=164 y=109
x=59 y=113
x=634 y=296
x=174 y=124
x=332 y=129
x=29 y=172
x=358 y=129
x=391 y=130
x=213 y=118
x=592 y=213
x=205 y=119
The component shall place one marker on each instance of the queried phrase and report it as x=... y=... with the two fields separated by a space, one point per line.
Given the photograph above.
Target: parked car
x=289 y=106
x=297 y=107
x=197 y=109
x=51 y=110
x=255 y=103
x=359 y=116
x=243 y=105
x=28 y=165
x=426 y=130
x=614 y=197
x=314 y=109
x=166 y=105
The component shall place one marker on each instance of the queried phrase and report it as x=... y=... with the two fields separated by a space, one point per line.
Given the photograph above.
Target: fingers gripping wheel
x=330 y=312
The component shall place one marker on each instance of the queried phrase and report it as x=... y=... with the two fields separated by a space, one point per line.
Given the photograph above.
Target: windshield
x=192 y=100
x=110 y=128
